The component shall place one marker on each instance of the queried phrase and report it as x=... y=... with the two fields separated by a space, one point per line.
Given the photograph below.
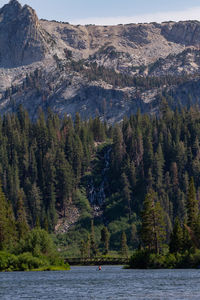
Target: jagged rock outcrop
x=186 y=33
x=22 y=40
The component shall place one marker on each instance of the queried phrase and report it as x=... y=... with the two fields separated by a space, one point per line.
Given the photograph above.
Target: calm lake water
x=112 y=282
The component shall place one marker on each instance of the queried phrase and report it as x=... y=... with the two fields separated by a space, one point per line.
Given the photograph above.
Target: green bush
x=170 y=261
x=37 y=242
x=8 y=262
x=156 y=261
x=194 y=259
x=36 y=251
x=26 y=261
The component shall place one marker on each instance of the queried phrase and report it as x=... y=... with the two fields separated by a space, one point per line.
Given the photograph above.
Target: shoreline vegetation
x=143 y=259
x=35 y=252
x=28 y=262
x=96 y=261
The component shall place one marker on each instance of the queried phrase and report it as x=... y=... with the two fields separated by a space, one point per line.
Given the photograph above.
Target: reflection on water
x=113 y=282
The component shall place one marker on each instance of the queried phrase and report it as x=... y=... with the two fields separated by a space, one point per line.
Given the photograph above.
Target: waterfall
x=97 y=195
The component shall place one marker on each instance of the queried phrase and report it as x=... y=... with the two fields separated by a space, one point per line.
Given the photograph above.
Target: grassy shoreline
x=52 y=268
x=41 y=269
x=28 y=262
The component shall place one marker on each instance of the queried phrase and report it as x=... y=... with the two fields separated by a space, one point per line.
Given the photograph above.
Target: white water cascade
x=97 y=195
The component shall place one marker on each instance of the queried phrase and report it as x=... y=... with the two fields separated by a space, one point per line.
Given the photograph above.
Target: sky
x=111 y=12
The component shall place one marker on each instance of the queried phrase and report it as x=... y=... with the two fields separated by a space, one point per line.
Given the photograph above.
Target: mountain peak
x=15 y=4
x=22 y=40
x=10 y=10
x=14 y=9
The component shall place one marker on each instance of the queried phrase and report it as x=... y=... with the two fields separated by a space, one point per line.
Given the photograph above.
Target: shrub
x=37 y=242
x=156 y=261
x=194 y=259
x=170 y=261
x=8 y=262
x=26 y=261
x=140 y=259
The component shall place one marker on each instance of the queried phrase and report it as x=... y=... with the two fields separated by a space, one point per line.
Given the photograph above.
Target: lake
x=113 y=282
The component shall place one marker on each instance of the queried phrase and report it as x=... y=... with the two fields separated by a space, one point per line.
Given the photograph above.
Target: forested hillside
x=55 y=167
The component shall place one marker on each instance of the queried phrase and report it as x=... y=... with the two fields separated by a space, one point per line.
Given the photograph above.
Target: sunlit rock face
x=89 y=69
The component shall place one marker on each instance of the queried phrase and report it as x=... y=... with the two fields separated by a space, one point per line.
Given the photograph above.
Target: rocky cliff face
x=22 y=39
x=185 y=33
x=107 y=70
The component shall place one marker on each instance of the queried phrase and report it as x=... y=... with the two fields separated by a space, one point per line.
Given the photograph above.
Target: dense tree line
x=159 y=154
x=153 y=162
x=152 y=189
x=155 y=173
x=41 y=164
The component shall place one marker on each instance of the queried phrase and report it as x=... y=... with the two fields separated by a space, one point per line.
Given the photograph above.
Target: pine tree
x=153 y=226
x=105 y=236
x=192 y=205
x=64 y=180
x=77 y=158
x=150 y=180
x=82 y=249
x=22 y=225
x=45 y=222
x=12 y=230
x=118 y=150
x=139 y=151
x=132 y=175
x=87 y=248
x=69 y=146
x=133 y=238
x=3 y=220
x=93 y=247
x=176 y=238
x=187 y=240
x=34 y=199
x=148 y=153
x=98 y=130
x=124 y=247
x=77 y=123
x=158 y=167
x=33 y=164
x=197 y=232
x=126 y=194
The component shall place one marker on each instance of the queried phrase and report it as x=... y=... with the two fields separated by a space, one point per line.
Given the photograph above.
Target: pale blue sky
x=114 y=11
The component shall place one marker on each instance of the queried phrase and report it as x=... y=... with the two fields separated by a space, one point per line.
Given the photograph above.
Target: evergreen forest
x=101 y=189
